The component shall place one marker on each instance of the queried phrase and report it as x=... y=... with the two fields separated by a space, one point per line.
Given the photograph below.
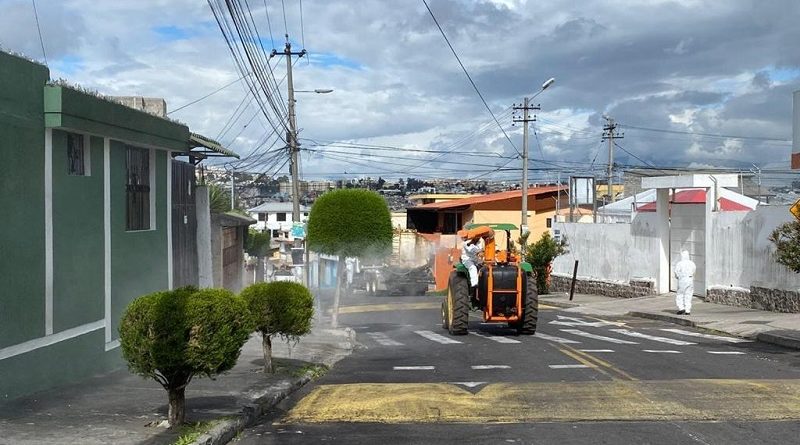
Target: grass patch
x=189 y=432
x=316 y=371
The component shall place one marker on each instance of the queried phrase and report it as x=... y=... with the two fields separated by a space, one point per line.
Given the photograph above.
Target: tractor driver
x=470 y=258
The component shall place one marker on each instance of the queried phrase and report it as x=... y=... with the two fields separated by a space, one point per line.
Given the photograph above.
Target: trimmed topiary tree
x=349 y=223
x=257 y=245
x=279 y=308
x=786 y=238
x=172 y=336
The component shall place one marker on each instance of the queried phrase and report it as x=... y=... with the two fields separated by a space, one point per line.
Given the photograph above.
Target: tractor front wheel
x=457 y=304
x=530 y=308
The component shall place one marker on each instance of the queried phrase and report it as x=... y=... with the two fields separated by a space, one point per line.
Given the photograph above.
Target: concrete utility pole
x=526 y=107
x=609 y=134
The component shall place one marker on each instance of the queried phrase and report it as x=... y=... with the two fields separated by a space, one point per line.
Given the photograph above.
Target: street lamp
x=318 y=91
x=524 y=224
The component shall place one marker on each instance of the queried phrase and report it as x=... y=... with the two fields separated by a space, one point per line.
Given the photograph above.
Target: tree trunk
x=335 y=310
x=266 y=344
x=177 y=406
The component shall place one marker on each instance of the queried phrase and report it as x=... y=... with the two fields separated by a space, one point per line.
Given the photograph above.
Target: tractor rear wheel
x=457 y=304
x=444 y=313
x=530 y=308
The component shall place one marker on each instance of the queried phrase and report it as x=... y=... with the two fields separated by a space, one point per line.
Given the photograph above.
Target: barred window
x=76 y=155
x=137 y=163
x=281 y=216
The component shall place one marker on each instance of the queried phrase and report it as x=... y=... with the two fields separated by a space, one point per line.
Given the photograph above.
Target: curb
x=664 y=317
x=226 y=430
x=780 y=339
x=561 y=304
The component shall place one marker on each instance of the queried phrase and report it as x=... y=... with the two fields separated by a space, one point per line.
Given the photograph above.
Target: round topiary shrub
x=171 y=336
x=786 y=238
x=279 y=308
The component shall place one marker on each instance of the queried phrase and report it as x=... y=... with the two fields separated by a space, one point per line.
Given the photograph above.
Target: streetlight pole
x=526 y=107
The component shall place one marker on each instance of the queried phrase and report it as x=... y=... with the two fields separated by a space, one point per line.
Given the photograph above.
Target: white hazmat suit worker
x=470 y=251
x=684 y=272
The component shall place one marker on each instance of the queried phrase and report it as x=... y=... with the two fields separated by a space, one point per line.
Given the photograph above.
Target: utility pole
x=526 y=107
x=233 y=189
x=291 y=140
x=609 y=134
x=757 y=171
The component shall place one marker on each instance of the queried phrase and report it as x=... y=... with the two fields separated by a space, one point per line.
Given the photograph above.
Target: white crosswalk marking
x=597 y=350
x=383 y=339
x=555 y=339
x=708 y=336
x=726 y=352
x=599 y=337
x=572 y=321
x=437 y=338
x=670 y=341
x=414 y=368
x=498 y=339
x=568 y=366
x=661 y=351
x=480 y=367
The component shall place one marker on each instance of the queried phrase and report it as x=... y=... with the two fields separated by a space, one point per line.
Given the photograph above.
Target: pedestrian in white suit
x=470 y=258
x=684 y=272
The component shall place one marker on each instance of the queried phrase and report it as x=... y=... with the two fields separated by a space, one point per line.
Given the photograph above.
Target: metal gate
x=184 y=225
x=687 y=232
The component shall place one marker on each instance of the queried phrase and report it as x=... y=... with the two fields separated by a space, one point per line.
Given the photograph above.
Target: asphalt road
x=579 y=380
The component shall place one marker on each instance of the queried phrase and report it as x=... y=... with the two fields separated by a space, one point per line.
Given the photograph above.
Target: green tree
x=219 y=199
x=349 y=223
x=786 y=238
x=173 y=336
x=279 y=308
x=541 y=255
x=257 y=245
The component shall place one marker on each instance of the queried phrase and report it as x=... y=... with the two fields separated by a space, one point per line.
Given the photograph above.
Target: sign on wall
x=795 y=209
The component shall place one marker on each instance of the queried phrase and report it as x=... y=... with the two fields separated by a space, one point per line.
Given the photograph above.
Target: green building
x=85 y=198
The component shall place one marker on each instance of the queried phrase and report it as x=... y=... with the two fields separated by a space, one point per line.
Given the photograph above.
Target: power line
x=38 y=28
x=463 y=68
x=285 y=26
x=269 y=24
x=302 y=31
x=207 y=95
x=694 y=133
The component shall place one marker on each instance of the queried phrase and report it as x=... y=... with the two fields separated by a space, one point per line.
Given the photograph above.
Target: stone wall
x=761 y=298
x=635 y=288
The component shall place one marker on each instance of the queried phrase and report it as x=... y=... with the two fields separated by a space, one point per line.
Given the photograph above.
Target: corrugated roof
x=198 y=140
x=698 y=197
x=269 y=207
x=533 y=191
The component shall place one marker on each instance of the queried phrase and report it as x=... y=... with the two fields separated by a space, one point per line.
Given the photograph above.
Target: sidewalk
x=768 y=327
x=122 y=408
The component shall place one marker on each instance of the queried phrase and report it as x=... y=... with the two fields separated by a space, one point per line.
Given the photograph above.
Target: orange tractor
x=506 y=291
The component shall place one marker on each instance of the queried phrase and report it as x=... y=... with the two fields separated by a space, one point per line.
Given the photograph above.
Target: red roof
x=533 y=191
x=696 y=197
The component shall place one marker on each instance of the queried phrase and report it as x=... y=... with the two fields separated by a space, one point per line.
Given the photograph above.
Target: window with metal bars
x=137 y=187
x=76 y=155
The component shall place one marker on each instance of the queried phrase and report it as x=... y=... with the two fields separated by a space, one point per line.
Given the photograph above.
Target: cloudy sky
x=676 y=75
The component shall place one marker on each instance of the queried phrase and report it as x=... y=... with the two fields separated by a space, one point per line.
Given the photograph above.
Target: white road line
x=726 y=352
x=414 y=368
x=599 y=337
x=480 y=367
x=468 y=384
x=709 y=336
x=568 y=366
x=555 y=339
x=596 y=350
x=670 y=341
x=437 y=338
x=661 y=351
x=498 y=339
x=382 y=339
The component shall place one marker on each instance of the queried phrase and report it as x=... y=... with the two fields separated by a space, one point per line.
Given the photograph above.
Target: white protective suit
x=470 y=259
x=684 y=272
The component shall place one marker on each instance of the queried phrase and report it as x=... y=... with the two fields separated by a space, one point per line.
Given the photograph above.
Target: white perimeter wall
x=740 y=254
x=611 y=252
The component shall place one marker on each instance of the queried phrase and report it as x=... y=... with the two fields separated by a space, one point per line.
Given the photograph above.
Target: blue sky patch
x=68 y=64
x=329 y=60
x=783 y=74
x=172 y=33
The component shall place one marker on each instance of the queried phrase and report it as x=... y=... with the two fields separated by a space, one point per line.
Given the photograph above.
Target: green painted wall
x=138 y=259
x=78 y=251
x=55 y=365
x=21 y=195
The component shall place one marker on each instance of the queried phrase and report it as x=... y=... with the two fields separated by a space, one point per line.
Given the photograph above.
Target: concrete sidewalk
x=769 y=327
x=122 y=408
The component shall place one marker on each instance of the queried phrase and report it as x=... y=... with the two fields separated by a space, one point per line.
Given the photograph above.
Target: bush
x=172 y=336
x=541 y=255
x=279 y=308
x=787 y=243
